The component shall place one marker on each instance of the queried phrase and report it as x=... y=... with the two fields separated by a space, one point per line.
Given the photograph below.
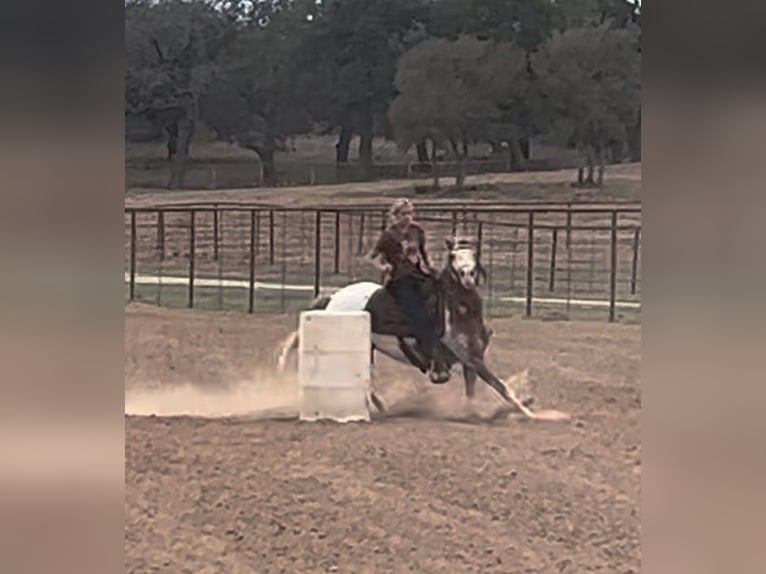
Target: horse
x=454 y=301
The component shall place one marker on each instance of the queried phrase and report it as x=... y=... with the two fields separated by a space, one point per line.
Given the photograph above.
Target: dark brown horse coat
x=466 y=313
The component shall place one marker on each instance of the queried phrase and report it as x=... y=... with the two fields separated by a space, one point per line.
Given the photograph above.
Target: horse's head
x=463 y=262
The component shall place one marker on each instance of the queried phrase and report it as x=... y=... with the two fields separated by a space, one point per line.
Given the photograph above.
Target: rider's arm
x=377 y=258
x=422 y=247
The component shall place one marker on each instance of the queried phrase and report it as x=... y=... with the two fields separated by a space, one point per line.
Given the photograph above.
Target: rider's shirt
x=403 y=250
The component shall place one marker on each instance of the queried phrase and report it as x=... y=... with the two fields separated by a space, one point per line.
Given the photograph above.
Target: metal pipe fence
x=542 y=260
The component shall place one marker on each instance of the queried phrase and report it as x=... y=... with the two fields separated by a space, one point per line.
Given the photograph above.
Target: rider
x=401 y=247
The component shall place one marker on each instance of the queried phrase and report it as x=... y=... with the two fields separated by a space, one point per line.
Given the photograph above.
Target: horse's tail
x=290 y=343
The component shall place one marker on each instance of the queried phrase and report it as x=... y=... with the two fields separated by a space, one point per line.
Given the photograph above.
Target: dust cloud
x=266 y=395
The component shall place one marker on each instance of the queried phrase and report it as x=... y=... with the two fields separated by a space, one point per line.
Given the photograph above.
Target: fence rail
x=541 y=260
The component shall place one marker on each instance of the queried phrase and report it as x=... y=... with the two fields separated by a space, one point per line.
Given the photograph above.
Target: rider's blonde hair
x=396 y=209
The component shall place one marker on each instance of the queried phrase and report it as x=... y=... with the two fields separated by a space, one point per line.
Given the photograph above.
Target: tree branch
x=158 y=50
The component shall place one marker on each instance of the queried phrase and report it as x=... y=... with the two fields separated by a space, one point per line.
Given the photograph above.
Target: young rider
x=401 y=254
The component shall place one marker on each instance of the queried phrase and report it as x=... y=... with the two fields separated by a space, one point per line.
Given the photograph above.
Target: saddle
x=388 y=319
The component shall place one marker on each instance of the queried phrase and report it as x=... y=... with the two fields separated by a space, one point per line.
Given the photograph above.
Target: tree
x=172 y=47
x=524 y=24
x=351 y=51
x=590 y=86
x=451 y=93
x=256 y=98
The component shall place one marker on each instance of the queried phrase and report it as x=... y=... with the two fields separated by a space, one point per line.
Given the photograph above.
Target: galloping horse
x=455 y=302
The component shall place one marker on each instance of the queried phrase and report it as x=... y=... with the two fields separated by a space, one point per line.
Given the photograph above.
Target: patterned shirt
x=404 y=251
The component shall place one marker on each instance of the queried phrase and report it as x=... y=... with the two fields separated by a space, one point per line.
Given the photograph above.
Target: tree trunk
x=181 y=156
x=589 y=179
x=434 y=165
x=460 y=176
x=526 y=148
x=422 y=152
x=172 y=131
x=365 y=142
x=267 y=161
x=580 y=176
x=601 y=168
x=517 y=154
x=344 y=141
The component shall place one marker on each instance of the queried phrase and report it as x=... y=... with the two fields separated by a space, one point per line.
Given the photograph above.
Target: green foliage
x=452 y=71
x=172 y=49
x=524 y=23
x=589 y=85
x=351 y=51
x=457 y=91
x=254 y=100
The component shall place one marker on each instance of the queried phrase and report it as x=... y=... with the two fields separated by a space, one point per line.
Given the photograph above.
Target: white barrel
x=334 y=365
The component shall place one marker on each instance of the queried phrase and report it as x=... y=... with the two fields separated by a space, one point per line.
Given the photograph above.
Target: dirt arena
x=431 y=488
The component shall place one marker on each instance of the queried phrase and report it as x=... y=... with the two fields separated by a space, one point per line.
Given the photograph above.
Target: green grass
x=236 y=299
x=220 y=299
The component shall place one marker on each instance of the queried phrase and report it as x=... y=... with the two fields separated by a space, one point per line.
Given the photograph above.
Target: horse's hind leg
x=372 y=394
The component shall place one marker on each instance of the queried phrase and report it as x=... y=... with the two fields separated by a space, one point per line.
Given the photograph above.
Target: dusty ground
x=423 y=491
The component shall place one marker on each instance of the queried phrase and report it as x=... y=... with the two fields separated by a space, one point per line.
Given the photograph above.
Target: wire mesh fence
x=550 y=261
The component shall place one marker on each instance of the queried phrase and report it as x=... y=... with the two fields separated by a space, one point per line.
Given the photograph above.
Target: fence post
x=317 y=252
x=192 y=215
x=479 y=239
x=215 y=232
x=284 y=261
x=251 y=286
x=271 y=237
x=161 y=233
x=634 y=271
x=613 y=269
x=132 y=255
x=337 y=242
x=554 y=248
x=530 y=260
x=360 y=250
x=257 y=232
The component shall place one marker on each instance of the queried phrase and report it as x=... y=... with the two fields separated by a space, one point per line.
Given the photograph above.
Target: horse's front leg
x=469 y=377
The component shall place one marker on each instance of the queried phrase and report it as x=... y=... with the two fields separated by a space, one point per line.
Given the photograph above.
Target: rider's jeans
x=409 y=296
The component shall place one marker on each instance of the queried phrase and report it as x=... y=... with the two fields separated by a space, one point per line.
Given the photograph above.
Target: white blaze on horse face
x=464 y=264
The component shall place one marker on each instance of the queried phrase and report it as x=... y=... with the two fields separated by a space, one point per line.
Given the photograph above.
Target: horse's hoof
x=439 y=378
